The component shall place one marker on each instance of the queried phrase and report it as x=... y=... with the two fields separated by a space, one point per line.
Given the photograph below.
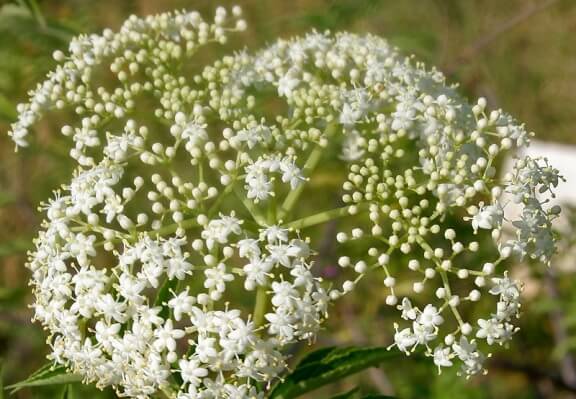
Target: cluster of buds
x=169 y=215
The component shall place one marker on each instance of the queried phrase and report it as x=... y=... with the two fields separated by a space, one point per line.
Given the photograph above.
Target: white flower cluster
x=169 y=214
x=259 y=187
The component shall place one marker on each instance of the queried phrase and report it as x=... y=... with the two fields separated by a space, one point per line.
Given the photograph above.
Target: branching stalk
x=311 y=163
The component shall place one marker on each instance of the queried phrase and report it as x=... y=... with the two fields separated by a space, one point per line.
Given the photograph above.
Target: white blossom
x=215 y=203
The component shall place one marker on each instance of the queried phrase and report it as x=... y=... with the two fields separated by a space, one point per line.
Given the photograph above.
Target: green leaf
x=46 y=375
x=327 y=365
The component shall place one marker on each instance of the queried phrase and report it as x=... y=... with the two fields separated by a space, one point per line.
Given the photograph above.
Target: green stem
x=171 y=228
x=260 y=306
x=454 y=309
x=216 y=205
x=325 y=216
x=272 y=211
x=249 y=205
x=445 y=282
x=309 y=166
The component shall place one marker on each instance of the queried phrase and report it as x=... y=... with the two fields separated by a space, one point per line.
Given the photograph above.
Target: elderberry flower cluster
x=173 y=211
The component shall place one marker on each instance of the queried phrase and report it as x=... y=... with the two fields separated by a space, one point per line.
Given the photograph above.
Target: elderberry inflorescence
x=135 y=269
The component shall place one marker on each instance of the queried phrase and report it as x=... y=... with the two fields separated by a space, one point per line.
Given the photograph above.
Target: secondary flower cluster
x=171 y=213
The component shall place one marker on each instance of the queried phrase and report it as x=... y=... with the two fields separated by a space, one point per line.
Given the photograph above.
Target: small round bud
x=474 y=295
x=341 y=237
x=413 y=264
x=391 y=300
x=348 y=286
x=488 y=268
x=418 y=287
x=450 y=234
x=389 y=281
x=360 y=267
x=344 y=261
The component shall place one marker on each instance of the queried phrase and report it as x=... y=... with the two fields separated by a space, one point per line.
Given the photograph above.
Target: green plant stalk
x=454 y=309
x=185 y=224
x=249 y=205
x=260 y=306
x=309 y=166
x=215 y=206
x=325 y=216
x=445 y=282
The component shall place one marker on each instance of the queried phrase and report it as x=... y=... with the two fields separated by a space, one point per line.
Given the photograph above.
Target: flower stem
x=260 y=306
x=171 y=228
x=453 y=308
x=309 y=166
x=249 y=205
x=325 y=216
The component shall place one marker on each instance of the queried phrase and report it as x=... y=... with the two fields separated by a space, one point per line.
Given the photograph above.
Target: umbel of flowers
x=165 y=218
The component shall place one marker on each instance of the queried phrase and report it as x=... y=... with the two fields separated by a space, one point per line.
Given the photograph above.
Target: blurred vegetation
x=519 y=54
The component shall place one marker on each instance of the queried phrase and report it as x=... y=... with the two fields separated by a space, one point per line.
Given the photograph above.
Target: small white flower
x=191 y=371
x=405 y=340
x=288 y=82
x=408 y=312
x=442 y=358
x=274 y=234
x=430 y=317
x=217 y=277
x=166 y=337
x=181 y=304
x=489 y=217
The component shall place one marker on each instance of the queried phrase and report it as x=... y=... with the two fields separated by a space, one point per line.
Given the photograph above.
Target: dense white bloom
x=133 y=265
x=260 y=186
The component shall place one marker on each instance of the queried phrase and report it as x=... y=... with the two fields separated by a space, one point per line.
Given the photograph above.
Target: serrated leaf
x=327 y=365
x=46 y=375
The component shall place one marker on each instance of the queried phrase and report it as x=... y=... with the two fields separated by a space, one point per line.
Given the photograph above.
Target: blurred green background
x=520 y=54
